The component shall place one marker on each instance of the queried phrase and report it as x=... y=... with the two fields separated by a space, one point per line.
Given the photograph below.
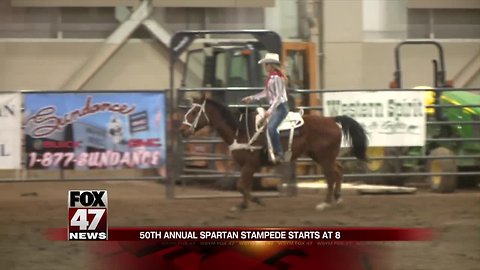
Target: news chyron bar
x=87 y=215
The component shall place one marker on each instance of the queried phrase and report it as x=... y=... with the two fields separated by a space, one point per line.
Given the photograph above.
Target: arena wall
x=371 y=64
x=48 y=64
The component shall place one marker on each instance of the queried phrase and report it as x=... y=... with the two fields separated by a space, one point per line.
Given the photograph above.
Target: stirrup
x=279 y=159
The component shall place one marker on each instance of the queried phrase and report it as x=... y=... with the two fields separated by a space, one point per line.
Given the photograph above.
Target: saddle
x=293 y=120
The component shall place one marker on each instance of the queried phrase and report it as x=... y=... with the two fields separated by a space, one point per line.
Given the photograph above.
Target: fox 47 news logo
x=87 y=215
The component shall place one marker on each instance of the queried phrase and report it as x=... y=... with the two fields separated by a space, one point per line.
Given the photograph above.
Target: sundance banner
x=390 y=118
x=10 y=131
x=95 y=130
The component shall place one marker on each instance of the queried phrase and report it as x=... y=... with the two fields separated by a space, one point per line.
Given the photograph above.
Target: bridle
x=200 y=113
x=235 y=145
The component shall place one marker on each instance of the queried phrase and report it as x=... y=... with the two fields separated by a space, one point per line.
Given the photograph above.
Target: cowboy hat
x=270 y=58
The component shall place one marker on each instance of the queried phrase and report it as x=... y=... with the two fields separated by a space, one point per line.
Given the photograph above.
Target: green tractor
x=452 y=131
x=219 y=63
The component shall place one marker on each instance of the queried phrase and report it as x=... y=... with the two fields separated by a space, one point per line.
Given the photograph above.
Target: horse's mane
x=225 y=112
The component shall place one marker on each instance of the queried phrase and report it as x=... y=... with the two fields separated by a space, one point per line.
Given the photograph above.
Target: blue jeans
x=275 y=120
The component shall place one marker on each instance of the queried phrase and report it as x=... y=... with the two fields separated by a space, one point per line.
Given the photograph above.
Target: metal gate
x=459 y=155
x=396 y=162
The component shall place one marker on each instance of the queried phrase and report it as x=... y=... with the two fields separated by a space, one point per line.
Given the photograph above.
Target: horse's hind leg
x=330 y=176
x=337 y=193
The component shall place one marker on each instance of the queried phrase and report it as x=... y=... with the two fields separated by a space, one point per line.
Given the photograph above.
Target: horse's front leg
x=244 y=185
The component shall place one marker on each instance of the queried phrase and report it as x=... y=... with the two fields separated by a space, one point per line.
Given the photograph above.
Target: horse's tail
x=355 y=134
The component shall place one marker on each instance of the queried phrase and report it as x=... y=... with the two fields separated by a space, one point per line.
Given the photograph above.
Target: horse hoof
x=258 y=201
x=322 y=206
x=339 y=201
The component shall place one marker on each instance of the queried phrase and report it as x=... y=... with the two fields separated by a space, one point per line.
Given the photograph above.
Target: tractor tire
x=384 y=166
x=442 y=183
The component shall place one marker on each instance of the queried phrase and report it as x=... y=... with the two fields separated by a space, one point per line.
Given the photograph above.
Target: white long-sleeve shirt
x=275 y=91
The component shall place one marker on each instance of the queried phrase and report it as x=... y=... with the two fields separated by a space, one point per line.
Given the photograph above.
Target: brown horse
x=319 y=137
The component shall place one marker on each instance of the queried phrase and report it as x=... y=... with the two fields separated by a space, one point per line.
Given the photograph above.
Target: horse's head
x=196 y=117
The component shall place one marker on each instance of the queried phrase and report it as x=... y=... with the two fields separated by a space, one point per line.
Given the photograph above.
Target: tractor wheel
x=442 y=183
x=384 y=166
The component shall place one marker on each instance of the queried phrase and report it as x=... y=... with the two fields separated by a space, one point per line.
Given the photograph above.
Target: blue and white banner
x=10 y=131
x=95 y=130
x=390 y=118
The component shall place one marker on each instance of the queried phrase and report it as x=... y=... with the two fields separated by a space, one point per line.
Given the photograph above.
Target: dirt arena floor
x=27 y=209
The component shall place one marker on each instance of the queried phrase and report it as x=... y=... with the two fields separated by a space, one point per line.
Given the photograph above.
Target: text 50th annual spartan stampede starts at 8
x=241 y=235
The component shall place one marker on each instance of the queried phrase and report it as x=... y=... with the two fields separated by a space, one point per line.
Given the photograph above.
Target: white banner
x=390 y=118
x=10 y=131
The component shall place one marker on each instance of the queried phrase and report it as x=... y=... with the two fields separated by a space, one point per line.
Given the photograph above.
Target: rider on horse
x=275 y=92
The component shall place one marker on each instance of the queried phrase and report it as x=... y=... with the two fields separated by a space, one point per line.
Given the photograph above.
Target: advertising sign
x=95 y=130
x=390 y=118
